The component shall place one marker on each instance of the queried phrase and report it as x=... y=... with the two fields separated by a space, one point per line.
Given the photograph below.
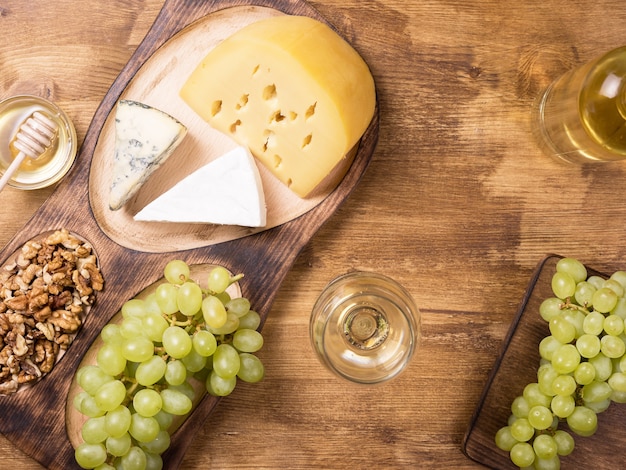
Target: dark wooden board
x=514 y=369
x=34 y=419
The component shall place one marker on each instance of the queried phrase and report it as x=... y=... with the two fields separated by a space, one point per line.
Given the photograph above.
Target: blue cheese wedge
x=226 y=191
x=145 y=137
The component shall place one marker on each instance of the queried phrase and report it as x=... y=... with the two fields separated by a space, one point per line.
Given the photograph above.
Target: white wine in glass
x=365 y=327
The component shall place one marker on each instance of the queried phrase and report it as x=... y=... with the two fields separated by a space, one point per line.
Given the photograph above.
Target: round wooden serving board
x=132 y=255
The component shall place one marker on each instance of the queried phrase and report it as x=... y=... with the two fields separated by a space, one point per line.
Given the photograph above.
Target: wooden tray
x=514 y=369
x=34 y=419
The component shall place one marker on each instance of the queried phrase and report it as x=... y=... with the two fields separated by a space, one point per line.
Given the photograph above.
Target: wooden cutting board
x=132 y=255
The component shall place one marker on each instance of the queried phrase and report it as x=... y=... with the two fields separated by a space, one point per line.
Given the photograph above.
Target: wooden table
x=459 y=205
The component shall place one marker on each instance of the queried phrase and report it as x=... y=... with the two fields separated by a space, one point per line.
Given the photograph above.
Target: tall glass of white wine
x=365 y=327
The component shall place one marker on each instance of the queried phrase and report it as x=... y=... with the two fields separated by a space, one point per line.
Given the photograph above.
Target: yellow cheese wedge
x=291 y=90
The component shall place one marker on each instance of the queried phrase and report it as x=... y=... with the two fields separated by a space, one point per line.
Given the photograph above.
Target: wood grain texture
x=458 y=204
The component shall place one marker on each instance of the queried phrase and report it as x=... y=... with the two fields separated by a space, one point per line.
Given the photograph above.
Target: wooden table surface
x=459 y=204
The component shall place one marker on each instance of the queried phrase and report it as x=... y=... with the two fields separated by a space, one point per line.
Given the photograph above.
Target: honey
x=57 y=159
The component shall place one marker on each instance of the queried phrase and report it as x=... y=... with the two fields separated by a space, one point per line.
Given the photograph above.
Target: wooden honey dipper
x=34 y=136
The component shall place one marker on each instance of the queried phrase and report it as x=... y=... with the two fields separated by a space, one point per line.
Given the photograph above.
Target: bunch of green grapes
x=141 y=381
x=582 y=369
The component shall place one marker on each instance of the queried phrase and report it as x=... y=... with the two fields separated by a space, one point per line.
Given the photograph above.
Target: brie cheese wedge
x=145 y=137
x=226 y=191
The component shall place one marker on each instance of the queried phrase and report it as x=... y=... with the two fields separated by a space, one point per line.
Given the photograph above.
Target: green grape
x=563 y=285
x=619 y=276
x=593 y=323
x=563 y=405
x=239 y=306
x=247 y=340
x=138 y=349
x=603 y=366
x=110 y=395
x=119 y=446
x=576 y=318
x=175 y=402
x=164 y=419
x=545 y=379
x=231 y=325
x=547 y=346
x=550 y=308
x=159 y=444
x=613 y=325
x=150 y=371
x=105 y=466
x=564 y=385
x=615 y=286
x=617 y=381
x=519 y=407
x=251 y=369
x=583 y=421
x=220 y=386
x=604 y=300
x=214 y=312
x=147 y=402
x=251 y=320
x=89 y=407
x=545 y=446
x=154 y=325
x=130 y=328
x=166 y=298
x=504 y=440
x=564 y=442
x=553 y=463
x=135 y=459
x=90 y=455
x=111 y=334
x=596 y=392
x=94 y=431
x=117 y=421
x=176 y=372
x=618 y=396
x=186 y=389
x=193 y=361
x=78 y=399
x=533 y=396
x=189 y=298
x=134 y=308
x=598 y=406
x=562 y=330
x=596 y=281
x=151 y=305
x=522 y=454
x=620 y=308
x=565 y=359
x=585 y=373
x=588 y=345
x=573 y=267
x=143 y=428
x=584 y=293
x=153 y=461
x=219 y=279
x=176 y=271
x=612 y=346
x=177 y=342
x=90 y=378
x=226 y=361
x=204 y=343
x=540 y=417
x=110 y=359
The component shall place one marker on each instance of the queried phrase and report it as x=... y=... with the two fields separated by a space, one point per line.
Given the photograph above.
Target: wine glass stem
x=365 y=327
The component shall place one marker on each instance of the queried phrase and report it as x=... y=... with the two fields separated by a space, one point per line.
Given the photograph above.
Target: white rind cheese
x=145 y=137
x=226 y=191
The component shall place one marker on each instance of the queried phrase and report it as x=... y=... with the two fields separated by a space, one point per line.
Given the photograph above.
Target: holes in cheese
x=309 y=96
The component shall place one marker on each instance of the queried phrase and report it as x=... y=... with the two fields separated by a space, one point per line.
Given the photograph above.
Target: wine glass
x=365 y=327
